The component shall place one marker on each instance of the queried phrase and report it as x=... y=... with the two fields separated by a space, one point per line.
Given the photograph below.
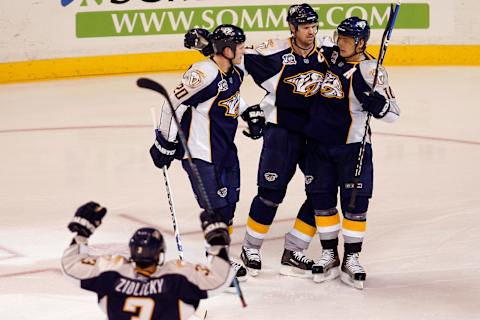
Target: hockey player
x=291 y=73
x=335 y=131
x=208 y=103
x=145 y=286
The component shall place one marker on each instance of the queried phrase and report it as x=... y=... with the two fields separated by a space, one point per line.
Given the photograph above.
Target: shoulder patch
x=368 y=68
x=381 y=75
x=264 y=46
x=272 y=46
x=193 y=78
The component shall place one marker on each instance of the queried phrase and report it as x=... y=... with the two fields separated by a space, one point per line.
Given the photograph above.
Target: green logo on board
x=251 y=18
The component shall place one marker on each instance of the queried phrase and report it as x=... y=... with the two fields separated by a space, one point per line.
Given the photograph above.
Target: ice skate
x=327 y=268
x=296 y=264
x=239 y=269
x=252 y=260
x=353 y=273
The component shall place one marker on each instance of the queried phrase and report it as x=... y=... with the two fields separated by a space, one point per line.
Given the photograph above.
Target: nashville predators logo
x=381 y=75
x=270 y=176
x=308 y=179
x=231 y=104
x=332 y=86
x=222 y=192
x=307 y=83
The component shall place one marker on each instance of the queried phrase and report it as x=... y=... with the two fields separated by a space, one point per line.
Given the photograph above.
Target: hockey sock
x=262 y=213
x=328 y=223
x=352 y=247
x=303 y=231
x=330 y=245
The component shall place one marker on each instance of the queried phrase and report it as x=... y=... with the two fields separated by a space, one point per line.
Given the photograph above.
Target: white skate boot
x=353 y=273
x=327 y=268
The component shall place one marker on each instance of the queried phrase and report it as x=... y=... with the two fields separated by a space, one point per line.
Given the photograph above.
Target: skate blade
x=357 y=284
x=295 y=272
x=329 y=275
x=253 y=272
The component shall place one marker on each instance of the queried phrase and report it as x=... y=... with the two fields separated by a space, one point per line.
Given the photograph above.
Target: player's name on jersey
x=139 y=288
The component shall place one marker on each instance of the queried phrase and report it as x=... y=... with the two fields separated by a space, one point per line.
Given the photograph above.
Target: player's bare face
x=346 y=45
x=239 y=52
x=305 y=34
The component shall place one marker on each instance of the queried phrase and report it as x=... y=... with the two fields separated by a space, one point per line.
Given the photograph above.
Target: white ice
x=66 y=142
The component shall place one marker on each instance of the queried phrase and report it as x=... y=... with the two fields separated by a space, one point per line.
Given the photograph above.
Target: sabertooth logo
x=332 y=86
x=307 y=83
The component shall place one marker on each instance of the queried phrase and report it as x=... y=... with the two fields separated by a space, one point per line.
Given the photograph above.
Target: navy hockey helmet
x=226 y=36
x=356 y=28
x=301 y=14
x=147 y=247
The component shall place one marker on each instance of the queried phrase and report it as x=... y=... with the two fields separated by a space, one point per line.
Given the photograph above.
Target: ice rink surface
x=66 y=142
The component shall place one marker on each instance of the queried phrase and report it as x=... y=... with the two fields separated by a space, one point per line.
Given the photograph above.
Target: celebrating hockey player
x=291 y=73
x=145 y=286
x=208 y=103
x=335 y=131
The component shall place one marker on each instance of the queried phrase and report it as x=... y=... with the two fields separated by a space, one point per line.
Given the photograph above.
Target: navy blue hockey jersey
x=173 y=291
x=208 y=103
x=337 y=116
x=290 y=80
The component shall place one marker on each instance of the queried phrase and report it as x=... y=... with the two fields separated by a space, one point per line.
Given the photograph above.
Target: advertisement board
x=87 y=37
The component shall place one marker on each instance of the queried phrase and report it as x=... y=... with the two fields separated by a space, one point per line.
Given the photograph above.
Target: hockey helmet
x=226 y=36
x=147 y=247
x=301 y=14
x=354 y=27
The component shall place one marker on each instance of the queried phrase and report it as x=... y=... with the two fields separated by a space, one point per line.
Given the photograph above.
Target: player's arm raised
x=76 y=262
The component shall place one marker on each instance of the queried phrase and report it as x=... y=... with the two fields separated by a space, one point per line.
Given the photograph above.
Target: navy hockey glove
x=198 y=39
x=214 y=229
x=255 y=119
x=162 y=151
x=87 y=218
x=376 y=104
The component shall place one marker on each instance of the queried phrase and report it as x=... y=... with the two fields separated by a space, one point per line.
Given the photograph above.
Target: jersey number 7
x=142 y=306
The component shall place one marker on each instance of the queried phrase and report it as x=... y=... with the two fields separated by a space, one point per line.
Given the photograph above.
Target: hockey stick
x=381 y=56
x=176 y=231
x=155 y=86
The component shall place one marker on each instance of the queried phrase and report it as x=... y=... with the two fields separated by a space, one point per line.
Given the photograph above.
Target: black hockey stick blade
x=147 y=83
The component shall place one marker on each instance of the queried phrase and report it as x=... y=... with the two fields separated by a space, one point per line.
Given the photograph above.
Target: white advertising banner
x=37 y=30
